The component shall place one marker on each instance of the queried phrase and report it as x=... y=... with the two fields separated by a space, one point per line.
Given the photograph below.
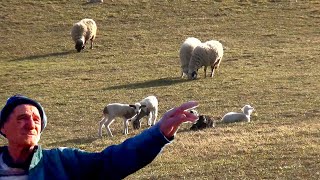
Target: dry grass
x=271 y=62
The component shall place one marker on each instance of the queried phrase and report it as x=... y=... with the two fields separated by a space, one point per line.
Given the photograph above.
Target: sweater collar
x=31 y=163
x=7 y=159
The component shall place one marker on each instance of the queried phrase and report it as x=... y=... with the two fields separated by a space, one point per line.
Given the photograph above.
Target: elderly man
x=22 y=120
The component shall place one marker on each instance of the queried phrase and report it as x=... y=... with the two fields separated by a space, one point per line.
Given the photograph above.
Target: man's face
x=23 y=126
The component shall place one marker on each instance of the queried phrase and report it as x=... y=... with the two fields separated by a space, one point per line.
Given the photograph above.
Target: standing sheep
x=185 y=53
x=150 y=108
x=231 y=117
x=82 y=31
x=111 y=111
x=206 y=54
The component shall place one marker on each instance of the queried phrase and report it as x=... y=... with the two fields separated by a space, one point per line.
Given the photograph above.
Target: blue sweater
x=114 y=162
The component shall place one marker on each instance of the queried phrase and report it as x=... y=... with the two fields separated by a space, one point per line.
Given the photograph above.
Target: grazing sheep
x=150 y=109
x=185 y=53
x=111 y=111
x=206 y=54
x=82 y=31
x=231 y=117
x=203 y=122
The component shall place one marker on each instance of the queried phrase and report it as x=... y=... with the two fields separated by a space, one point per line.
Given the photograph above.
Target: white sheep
x=185 y=53
x=82 y=31
x=206 y=54
x=231 y=117
x=150 y=108
x=113 y=110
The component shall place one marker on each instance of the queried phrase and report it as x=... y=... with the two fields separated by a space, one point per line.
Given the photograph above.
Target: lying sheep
x=206 y=54
x=150 y=109
x=231 y=117
x=111 y=111
x=82 y=31
x=203 y=122
x=185 y=53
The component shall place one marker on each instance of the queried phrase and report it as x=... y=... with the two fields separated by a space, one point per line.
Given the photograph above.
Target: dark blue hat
x=16 y=100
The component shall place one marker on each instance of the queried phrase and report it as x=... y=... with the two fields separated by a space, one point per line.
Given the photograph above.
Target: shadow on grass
x=74 y=141
x=35 y=57
x=93 y=3
x=148 y=84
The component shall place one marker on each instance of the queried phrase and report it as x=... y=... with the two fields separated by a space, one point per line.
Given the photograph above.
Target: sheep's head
x=79 y=45
x=136 y=123
x=136 y=107
x=193 y=111
x=247 y=109
x=192 y=75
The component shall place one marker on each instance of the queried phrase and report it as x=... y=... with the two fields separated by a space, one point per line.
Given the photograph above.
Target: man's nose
x=30 y=123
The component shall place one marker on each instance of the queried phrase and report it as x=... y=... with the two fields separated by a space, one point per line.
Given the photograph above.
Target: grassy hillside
x=270 y=62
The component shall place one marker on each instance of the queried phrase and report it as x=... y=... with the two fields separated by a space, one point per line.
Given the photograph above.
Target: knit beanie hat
x=16 y=100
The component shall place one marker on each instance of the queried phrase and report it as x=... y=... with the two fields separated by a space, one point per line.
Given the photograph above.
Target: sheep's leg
x=212 y=71
x=214 y=67
x=107 y=125
x=91 y=43
x=155 y=116
x=181 y=74
x=218 y=63
x=150 y=122
x=101 y=125
x=126 y=126
x=205 y=71
x=84 y=44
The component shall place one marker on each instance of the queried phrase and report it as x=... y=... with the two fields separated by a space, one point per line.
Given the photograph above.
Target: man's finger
x=188 y=105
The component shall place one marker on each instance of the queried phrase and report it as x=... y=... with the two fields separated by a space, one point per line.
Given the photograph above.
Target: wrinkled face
x=23 y=126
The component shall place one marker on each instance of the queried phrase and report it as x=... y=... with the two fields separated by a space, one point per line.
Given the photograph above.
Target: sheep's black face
x=194 y=75
x=79 y=45
x=136 y=124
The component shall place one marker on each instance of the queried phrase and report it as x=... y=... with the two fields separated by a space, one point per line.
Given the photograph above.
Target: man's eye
x=22 y=118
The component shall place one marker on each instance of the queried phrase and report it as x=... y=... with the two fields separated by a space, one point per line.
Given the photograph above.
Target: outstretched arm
x=172 y=119
x=118 y=161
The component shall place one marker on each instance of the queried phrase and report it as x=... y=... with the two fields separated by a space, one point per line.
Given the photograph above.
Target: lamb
x=231 y=117
x=150 y=109
x=203 y=122
x=113 y=110
x=185 y=53
x=206 y=54
x=82 y=31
